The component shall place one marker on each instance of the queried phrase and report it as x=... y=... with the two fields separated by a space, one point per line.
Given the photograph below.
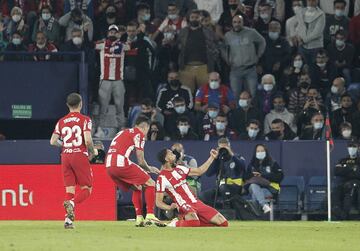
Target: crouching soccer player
x=172 y=180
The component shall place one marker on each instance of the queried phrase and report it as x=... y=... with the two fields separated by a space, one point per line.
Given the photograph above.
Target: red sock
x=188 y=223
x=137 y=201
x=69 y=196
x=150 y=199
x=83 y=195
x=224 y=224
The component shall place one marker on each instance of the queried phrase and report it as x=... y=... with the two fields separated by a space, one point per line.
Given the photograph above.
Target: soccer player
x=172 y=180
x=128 y=175
x=73 y=134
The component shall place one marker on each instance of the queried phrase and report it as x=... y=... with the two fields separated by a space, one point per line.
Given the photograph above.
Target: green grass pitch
x=120 y=236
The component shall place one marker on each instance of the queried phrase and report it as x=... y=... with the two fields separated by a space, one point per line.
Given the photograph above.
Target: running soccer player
x=172 y=180
x=128 y=175
x=73 y=134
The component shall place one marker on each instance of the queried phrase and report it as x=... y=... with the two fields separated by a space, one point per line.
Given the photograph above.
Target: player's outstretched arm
x=144 y=165
x=204 y=167
x=160 y=202
x=55 y=140
x=89 y=143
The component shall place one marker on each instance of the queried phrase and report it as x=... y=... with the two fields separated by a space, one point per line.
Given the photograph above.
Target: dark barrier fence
x=37 y=89
x=299 y=158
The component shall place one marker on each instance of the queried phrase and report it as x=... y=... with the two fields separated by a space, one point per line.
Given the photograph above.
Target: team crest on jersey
x=232 y=165
x=268 y=170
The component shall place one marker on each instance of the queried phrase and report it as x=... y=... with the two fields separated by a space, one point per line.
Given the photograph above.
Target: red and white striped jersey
x=174 y=26
x=123 y=145
x=112 y=56
x=71 y=130
x=174 y=183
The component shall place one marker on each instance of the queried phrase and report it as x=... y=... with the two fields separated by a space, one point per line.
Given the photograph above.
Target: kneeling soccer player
x=172 y=180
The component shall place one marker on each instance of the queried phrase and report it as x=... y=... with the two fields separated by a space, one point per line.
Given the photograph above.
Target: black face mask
x=304 y=85
x=174 y=83
x=112 y=38
x=233 y=6
x=147 y=114
x=78 y=22
x=194 y=23
x=110 y=14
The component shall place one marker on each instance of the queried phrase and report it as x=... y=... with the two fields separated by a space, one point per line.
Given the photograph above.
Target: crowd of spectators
x=205 y=69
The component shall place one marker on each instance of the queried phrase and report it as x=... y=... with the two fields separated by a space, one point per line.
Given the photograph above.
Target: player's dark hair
x=161 y=156
x=73 y=100
x=142 y=119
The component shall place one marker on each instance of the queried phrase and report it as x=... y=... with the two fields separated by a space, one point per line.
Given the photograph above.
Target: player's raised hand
x=154 y=170
x=214 y=153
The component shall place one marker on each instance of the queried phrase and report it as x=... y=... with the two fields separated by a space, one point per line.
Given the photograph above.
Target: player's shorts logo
x=21 y=197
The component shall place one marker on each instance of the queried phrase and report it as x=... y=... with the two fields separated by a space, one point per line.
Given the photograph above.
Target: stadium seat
x=316 y=195
x=291 y=195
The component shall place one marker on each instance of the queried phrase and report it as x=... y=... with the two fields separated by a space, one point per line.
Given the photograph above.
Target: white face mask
x=16 y=18
x=180 y=109
x=253 y=133
x=183 y=129
x=339 y=13
x=321 y=65
x=214 y=85
x=352 y=151
x=268 y=87
x=334 y=90
x=298 y=64
x=264 y=16
x=213 y=114
x=77 y=40
x=173 y=16
x=16 y=41
x=41 y=46
x=220 y=126
x=168 y=35
x=45 y=16
x=260 y=155
x=339 y=43
x=243 y=103
x=318 y=125
x=346 y=133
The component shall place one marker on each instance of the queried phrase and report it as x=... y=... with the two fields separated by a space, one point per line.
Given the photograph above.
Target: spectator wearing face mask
x=253 y=131
x=278 y=8
x=76 y=19
x=172 y=24
x=47 y=24
x=173 y=88
x=346 y=132
x=17 y=23
x=262 y=177
x=313 y=105
x=315 y=131
x=347 y=191
x=310 y=30
x=221 y=128
x=207 y=126
x=297 y=97
x=266 y=94
x=277 y=52
x=291 y=25
x=338 y=21
x=86 y=6
x=279 y=111
x=42 y=45
x=148 y=110
x=179 y=110
x=354 y=35
x=336 y=91
x=243 y=48
x=342 y=54
x=199 y=53
x=184 y=130
x=184 y=6
x=156 y=132
x=109 y=16
x=343 y=114
x=16 y=45
x=244 y=113
x=280 y=131
x=215 y=92
x=292 y=73
x=266 y=17
x=143 y=18
x=323 y=73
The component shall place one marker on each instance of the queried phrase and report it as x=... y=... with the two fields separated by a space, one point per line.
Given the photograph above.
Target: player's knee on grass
x=219 y=220
x=191 y=216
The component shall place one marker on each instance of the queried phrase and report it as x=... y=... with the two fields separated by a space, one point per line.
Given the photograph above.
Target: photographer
x=348 y=170
x=229 y=169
